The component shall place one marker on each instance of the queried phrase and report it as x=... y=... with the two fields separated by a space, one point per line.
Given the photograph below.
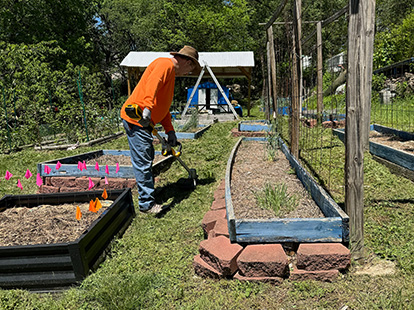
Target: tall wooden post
x=269 y=81
x=358 y=83
x=296 y=79
x=319 y=105
x=272 y=66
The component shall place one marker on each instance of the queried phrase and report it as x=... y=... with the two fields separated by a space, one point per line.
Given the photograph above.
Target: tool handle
x=168 y=150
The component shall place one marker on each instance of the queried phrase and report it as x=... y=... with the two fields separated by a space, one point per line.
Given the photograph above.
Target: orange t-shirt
x=155 y=91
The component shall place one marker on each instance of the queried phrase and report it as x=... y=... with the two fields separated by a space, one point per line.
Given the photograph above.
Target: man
x=154 y=94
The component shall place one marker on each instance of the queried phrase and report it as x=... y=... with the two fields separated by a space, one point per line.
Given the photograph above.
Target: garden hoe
x=134 y=111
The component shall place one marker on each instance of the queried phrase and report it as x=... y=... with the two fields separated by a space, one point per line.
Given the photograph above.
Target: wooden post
x=358 y=83
x=269 y=81
x=319 y=104
x=129 y=81
x=272 y=66
x=265 y=87
x=296 y=79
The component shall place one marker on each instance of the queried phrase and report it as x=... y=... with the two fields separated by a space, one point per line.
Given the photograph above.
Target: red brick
x=222 y=185
x=221 y=254
x=63 y=181
x=202 y=269
x=220 y=229
x=323 y=256
x=131 y=183
x=218 y=204
x=271 y=280
x=317 y=275
x=263 y=260
x=47 y=181
x=49 y=189
x=219 y=194
x=210 y=219
x=115 y=183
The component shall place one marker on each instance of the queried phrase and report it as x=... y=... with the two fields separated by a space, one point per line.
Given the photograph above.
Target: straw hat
x=191 y=53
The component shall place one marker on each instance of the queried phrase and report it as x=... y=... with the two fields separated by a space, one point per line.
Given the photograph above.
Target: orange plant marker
x=78 y=213
x=98 y=204
x=104 y=194
x=92 y=206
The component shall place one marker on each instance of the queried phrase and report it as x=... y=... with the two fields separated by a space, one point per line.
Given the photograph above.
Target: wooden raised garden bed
x=70 y=165
x=258 y=125
x=189 y=135
x=395 y=157
x=48 y=267
x=332 y=226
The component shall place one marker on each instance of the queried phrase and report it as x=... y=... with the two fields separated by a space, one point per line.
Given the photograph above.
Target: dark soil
x=46 y=224
x=392 y=141
x=252 y=169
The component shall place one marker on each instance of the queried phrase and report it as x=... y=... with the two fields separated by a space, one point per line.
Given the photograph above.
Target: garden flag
x=8 y=175
x=39 y=181
x=92 y=206
x=80 y=166
x=47 y=169
x=117 y=168
x=19 y=184
x=97 y=166
x=28 y=174
x=106 y=169
x=58 y=165
x=106 y=181
x=91 y=184
x=84 y=165
x=98 y=204
x=78 y=213
x=104 y=194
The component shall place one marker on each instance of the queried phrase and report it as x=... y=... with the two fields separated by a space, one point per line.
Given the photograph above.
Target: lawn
x=150 y=267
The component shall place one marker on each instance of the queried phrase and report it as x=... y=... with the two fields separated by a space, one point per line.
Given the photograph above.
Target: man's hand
x=172 y=138
x=146 y=118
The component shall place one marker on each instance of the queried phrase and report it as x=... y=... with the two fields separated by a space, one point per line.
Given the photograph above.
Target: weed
x=276 y=198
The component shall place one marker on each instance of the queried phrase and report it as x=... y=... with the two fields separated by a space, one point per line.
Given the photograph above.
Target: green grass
x=276 y=198
x=150 y=267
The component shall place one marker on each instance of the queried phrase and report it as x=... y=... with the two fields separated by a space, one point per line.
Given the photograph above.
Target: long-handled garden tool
x=134 y=111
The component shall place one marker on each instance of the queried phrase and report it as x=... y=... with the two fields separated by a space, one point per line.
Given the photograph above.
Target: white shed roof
x=223 y=64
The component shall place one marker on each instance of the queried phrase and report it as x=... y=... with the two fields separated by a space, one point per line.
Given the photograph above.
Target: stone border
x=272 y=263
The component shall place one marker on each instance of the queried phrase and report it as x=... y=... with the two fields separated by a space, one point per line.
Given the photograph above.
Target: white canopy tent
x=218 y=65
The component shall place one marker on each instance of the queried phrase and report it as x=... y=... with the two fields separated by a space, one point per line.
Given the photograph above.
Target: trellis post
x=296 y=79
x=272 y=66
x=319 y=105
x=361 y=23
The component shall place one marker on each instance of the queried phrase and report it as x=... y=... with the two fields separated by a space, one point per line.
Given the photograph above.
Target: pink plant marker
x=106 y=181
x=8 y=175
x=106 y=169
x=19 y=184
x=91 y=184
x=28 y=174
x=47 y=169
x=39 y=181
x=117 y=168
x=58 y=165
x=84 y=165
x=97 y=166
x=80 y=166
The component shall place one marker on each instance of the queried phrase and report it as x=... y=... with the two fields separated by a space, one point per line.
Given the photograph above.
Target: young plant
x=276 y=198
x=192 y=122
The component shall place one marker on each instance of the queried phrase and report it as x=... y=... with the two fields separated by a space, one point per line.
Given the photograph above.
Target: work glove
x=172 y=138
x=146 y=118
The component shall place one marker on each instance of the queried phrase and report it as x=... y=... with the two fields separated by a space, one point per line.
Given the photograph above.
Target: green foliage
x=378 y=82
x=276 y=198
x=192 y=121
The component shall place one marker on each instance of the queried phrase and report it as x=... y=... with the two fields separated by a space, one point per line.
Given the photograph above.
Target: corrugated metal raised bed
x=70 y=165
x=334 y=227
x=47 y=267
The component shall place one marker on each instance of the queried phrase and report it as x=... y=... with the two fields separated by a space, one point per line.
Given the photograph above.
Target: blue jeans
x=142 y=156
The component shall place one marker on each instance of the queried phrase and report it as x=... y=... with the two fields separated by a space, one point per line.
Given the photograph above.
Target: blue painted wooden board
x=70 y=165
x=387 y=130
x=403 y=159
x=259 y=125
x=188 y=135
x=333 y=228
